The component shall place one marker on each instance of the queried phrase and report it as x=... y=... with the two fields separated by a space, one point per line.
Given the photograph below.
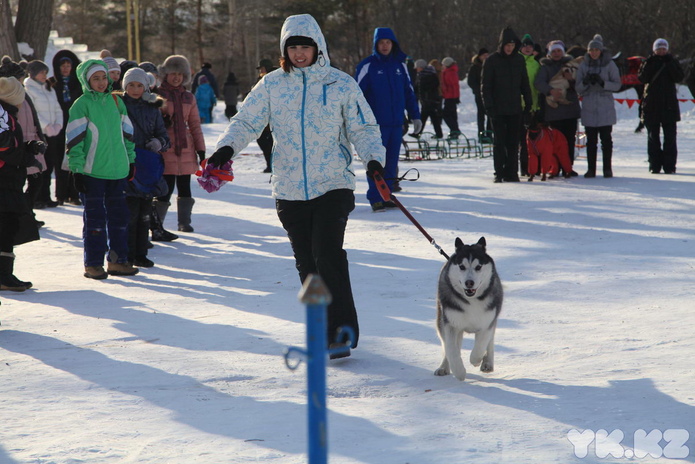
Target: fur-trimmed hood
x=176 y=63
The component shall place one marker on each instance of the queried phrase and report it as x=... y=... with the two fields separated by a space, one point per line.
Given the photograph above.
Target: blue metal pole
x=316 y=297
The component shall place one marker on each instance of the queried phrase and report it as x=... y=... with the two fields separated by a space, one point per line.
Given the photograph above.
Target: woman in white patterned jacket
x=315 y=113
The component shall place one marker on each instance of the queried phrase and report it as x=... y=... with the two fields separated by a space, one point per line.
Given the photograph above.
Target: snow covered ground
x=183 y=363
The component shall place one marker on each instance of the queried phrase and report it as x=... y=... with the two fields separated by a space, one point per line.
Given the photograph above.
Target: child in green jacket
x=101 y=155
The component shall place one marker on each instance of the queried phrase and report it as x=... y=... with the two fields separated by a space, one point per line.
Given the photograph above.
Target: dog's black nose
x=470 y=284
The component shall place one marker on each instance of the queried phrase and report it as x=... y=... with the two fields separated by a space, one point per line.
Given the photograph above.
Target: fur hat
x=526 y=40
x=139 y=75
x=11 y=91
x=660 y=43
x=596 y=42
x=35 y=67
x=11 y=69
x=420 y=63
x=111 y=63
x=448 y=61
x=176 y=63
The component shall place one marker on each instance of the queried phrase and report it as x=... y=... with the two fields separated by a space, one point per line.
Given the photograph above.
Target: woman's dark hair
x=285 y=62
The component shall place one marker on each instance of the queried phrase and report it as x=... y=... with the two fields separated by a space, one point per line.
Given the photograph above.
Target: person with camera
x=597 y=78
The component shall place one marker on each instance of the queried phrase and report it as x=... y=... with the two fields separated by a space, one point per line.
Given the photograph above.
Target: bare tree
x=8 y=41
x=34 y=24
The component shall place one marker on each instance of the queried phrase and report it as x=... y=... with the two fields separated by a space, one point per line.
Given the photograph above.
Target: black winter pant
x=139 y=226
x=316 y=229
x=480 y=107
x=450 y=115
x=433 y=110
x=506 y=149
x=592 y=137
x=660 y=156
x=568 y=128
x=182 y=184
x=265 y=142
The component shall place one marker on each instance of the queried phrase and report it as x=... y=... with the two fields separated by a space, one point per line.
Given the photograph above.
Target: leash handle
x=382 y=187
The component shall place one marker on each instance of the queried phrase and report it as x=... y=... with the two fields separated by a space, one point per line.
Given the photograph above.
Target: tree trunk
x=8 y=42
x=199 y=33
x=34 y=24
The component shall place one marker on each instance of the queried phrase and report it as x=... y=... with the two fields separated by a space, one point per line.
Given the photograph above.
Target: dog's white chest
x=472 y=319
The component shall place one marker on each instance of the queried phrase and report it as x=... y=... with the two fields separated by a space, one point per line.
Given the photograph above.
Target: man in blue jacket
x=384 y=80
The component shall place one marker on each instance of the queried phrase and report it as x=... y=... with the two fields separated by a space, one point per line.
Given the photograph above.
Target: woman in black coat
x=15 y=157
x=68 y=89
x=660 y=108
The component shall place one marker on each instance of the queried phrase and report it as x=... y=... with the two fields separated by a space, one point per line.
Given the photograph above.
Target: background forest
x=234 y=34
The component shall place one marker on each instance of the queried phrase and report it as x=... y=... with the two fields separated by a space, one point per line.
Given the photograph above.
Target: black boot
x=591 y=162
x=607 y=160
x=159 y=211
x=7 y=279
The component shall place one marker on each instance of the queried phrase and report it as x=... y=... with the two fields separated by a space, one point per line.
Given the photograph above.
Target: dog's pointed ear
x=458 y=243
x=482 y=243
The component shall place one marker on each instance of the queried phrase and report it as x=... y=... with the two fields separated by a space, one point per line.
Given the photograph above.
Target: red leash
x=388 y=196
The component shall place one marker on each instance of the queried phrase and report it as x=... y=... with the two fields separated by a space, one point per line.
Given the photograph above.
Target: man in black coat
x=660 y=107
x=427 y=91
x=504 y=83
x=205 y=70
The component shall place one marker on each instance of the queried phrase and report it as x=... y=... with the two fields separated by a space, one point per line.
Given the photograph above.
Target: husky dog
x=469 y=299
x=561 y=81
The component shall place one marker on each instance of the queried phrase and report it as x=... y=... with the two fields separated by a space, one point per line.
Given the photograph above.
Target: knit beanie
x=35 y=67
x=420 y=63
x=596 y=42
x=526 y=40
x=111 y=63
x=556 y=45
x=139 y=75
x=660 y=43
x=448 y=61
x=11 y=91
x=148 y=66
x=11 y=69
x=95 y=68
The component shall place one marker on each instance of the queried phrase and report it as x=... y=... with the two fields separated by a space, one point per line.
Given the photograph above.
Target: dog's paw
x=460 y=375
x=441 y=372
x=487 y=366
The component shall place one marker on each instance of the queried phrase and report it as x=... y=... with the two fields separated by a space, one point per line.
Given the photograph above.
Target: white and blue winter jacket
x=315 y=113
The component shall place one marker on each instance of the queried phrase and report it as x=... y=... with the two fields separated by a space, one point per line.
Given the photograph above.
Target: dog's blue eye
x=478 y=267
x=462 y=267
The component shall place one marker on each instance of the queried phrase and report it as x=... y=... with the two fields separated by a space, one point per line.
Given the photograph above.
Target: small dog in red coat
x=548 y=147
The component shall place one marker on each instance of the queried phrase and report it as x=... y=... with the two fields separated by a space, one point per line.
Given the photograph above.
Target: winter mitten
x=36 y=147
x=417 y=126
x=221 y=156
x=599 y=80
x=154 y=145
x=78 y=180
x=374 y=167
x=201 y=155
x=587 y=79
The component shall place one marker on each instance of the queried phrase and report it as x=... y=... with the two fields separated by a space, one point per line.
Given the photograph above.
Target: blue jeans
x=105 y=220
